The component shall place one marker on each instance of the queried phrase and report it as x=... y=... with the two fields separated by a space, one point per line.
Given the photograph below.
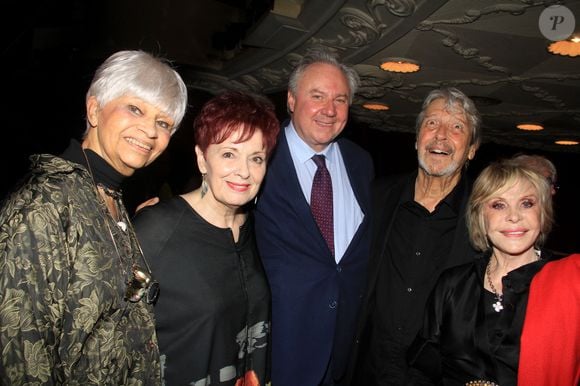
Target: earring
x=204 y=186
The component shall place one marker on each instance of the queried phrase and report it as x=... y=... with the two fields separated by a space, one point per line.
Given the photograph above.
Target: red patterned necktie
x=321 y=201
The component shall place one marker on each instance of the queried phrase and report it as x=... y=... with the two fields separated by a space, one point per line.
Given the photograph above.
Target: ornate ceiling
x=493 y=50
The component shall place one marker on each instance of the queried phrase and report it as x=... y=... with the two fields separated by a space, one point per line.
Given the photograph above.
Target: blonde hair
x=496 y=178
x=540 y=163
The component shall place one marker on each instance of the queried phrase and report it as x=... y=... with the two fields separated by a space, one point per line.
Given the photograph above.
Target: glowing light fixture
x=566 y=142
x=569 y=47
x=400 y=65
x=376 y=106
x=530 y=126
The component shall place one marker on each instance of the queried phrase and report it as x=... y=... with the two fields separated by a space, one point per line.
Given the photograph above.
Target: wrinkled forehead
x=447 y=106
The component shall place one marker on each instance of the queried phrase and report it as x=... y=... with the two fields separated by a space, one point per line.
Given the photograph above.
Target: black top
x=463 y=338
x=213 y=311
x=100 y=170
x=416 y=251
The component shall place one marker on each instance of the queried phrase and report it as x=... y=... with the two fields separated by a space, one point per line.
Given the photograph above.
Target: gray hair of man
x=454 y=100
x=140 y=74
x=540 y=163
x=323 y=55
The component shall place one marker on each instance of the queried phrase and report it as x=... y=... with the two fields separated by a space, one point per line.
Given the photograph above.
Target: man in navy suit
x=316 y=294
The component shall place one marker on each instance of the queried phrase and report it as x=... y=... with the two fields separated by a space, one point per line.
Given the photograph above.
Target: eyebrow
x=461 y=118
x=318 y=91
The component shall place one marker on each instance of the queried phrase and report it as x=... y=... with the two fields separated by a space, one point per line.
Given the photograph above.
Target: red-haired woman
x=213 y=314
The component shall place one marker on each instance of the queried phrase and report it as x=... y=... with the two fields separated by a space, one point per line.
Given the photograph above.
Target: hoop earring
x=204 y=187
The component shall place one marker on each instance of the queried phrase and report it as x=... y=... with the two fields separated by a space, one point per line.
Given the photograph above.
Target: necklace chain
x=117 y=198
x=115 y=194
x=497 y=306
x=141 y=284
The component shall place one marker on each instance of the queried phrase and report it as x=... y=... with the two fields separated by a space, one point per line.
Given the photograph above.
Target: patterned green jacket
x=63 y=320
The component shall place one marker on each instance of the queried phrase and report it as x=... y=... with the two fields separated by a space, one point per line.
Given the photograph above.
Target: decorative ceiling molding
x=492 y=50
x=355 y=31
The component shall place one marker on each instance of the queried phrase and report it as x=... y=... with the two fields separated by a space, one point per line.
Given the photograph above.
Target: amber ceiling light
x=530 y=126
x=566 y=142
x=569 y=47
x=400 y=65
x=376 y=106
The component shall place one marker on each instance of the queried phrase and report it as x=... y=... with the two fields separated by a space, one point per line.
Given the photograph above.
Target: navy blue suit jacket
x=315 y=302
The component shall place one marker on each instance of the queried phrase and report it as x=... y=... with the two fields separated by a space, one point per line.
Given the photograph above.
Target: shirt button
x=409 y=289
x=417 y=253
x=332 y=304
x=339 y=268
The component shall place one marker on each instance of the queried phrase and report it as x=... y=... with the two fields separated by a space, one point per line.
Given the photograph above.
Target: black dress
x=213 y=310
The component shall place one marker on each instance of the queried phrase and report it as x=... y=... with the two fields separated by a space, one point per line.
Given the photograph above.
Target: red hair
x=230 y=111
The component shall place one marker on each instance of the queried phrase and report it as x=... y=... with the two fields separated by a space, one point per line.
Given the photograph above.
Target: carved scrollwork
x=402 y=8
x=362 y=29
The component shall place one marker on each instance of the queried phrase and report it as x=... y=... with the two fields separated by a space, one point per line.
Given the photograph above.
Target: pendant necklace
x=498 y=305
x=140 y=284
x=117 y=197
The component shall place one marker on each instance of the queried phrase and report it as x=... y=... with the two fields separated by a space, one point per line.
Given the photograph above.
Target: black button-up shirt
x=416 y=252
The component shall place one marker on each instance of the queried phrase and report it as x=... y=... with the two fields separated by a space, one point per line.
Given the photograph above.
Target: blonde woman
x=474 y=316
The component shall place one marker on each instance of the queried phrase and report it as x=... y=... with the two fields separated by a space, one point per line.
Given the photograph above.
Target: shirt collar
x=302 y=151
x=455 y=197
x=453 y=200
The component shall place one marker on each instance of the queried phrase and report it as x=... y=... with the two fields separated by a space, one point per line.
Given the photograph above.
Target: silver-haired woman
x=76 y=292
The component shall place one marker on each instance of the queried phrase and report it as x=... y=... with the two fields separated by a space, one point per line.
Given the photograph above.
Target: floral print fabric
x=63 y=319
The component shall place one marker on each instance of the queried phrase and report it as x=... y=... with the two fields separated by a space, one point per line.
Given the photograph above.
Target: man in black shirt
x=419 y=230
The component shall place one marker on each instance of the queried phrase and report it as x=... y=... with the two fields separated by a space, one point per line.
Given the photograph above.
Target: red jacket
x=550 y=341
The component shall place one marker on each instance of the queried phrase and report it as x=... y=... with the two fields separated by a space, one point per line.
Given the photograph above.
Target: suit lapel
x=356 y=176
x=358 y=179
x=283 y=175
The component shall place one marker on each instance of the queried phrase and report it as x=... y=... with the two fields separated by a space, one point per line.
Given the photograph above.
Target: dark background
x=44 y=92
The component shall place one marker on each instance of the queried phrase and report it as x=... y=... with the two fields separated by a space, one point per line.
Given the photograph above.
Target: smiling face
x=234 y=171
x=443 y=141
x=127 y=132
x=513 y=219
x=320 y=106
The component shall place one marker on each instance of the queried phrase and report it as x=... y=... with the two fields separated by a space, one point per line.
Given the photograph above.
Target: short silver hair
x=454 y=98
x=324 y=55
x=140 y=74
